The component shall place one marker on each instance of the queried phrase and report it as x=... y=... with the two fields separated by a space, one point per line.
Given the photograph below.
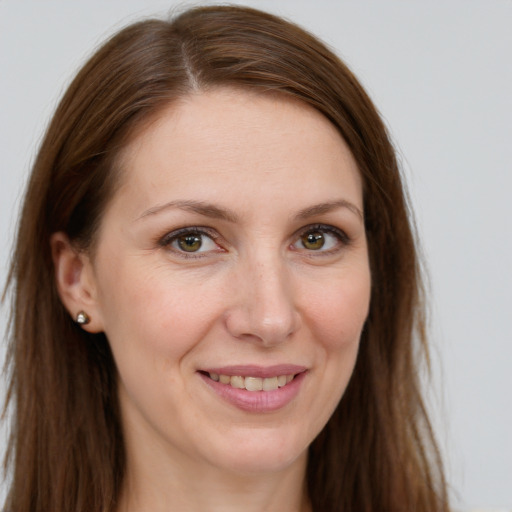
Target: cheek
x=338 y=311
x=155 y=313
x=336 y=316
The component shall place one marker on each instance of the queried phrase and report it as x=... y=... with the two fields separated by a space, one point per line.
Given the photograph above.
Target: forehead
x=232 y=141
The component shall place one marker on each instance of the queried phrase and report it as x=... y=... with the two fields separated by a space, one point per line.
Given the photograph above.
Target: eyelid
x=193 y=230
x=341 y=235
x=167 y=240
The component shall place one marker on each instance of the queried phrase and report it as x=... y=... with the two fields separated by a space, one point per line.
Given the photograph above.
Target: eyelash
x=342 y=238
x=169 y=238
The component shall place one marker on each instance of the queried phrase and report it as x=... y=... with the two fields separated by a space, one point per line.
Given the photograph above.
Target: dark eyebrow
x=319 y=209
x=205 y=209
x=214 y=212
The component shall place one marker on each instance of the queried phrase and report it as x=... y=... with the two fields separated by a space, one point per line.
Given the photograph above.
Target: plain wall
x=441 y=74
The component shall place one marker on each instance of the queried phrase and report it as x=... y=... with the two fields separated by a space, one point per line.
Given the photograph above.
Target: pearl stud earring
x=82 y=318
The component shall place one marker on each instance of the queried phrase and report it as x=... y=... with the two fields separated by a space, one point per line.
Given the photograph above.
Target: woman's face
x=232 y=257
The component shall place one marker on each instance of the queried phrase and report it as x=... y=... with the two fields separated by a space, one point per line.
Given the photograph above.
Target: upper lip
x=257 y=371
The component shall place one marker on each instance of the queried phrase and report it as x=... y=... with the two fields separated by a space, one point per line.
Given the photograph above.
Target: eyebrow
x=322 y=208
x=214 y=212
x=199 y=207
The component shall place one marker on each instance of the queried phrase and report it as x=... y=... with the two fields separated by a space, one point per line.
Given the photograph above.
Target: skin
x=255 y=293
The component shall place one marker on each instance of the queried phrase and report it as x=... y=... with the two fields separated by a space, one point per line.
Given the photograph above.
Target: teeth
x=270 y=384
x=253 y=383
x=237 y=382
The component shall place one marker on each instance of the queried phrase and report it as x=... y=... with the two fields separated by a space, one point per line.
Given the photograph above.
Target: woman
x=217 y=298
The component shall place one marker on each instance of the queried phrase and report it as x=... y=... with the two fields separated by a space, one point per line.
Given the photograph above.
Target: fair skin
x=235 y=245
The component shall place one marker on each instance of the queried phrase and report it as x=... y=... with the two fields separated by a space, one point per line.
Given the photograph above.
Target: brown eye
x=314 y=240
x=322 y=239
x=189 y=242
x=192 y=242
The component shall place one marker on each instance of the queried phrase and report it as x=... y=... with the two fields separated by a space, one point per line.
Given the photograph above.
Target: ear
x=75 y=281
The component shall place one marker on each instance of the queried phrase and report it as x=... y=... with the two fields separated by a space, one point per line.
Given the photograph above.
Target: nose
x=264 y=307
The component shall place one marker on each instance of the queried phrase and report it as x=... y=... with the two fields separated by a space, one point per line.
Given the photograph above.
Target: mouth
x=256 y=389
x=251 y=383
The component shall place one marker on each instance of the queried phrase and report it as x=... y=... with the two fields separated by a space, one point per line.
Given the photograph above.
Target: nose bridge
x=265 y=307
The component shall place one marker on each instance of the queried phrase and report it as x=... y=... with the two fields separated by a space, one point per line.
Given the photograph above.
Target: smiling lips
x=256 y=389
x=253 y=383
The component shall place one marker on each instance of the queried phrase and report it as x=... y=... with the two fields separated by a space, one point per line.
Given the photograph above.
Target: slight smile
x=256 y=389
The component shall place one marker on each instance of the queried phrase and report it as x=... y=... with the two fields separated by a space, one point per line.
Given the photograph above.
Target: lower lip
x=257 y=401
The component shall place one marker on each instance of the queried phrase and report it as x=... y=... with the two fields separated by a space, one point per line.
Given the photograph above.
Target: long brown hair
x=377 y=452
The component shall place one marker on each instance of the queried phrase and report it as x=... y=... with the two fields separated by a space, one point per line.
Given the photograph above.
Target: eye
x=313 y=240
x=190 y=241
x=321 y=238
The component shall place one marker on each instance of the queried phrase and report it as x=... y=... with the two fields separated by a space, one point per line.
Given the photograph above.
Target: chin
x=263 y=452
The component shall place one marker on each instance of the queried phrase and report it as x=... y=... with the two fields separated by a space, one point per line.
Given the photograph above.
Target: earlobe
x=75 y=282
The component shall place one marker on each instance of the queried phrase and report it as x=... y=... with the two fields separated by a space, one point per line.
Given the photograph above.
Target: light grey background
x=441 y=74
